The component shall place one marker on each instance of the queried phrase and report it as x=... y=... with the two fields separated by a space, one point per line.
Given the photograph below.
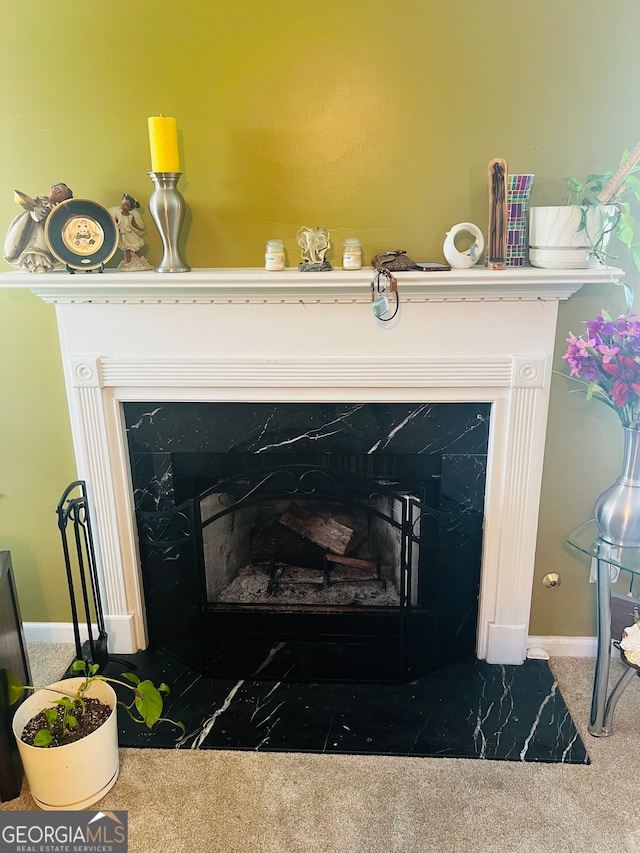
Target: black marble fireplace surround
x=212 y=483
x=371 y=678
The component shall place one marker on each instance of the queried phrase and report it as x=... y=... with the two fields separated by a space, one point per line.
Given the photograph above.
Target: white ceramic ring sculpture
x=462 y=260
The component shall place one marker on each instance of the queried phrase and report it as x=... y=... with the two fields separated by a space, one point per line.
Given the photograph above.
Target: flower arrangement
x=607 y=359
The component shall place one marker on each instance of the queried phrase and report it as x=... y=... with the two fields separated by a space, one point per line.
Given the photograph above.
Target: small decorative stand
x=167 y=209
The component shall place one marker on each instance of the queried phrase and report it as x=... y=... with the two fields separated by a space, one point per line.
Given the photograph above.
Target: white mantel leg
x=503 y=638
x=95 y=426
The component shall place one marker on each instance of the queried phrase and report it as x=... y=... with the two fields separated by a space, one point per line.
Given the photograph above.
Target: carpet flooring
x=245 y=801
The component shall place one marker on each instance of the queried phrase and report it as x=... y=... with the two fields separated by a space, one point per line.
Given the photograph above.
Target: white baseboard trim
x=62 y=632
x=573 y=647
x=119 y=633
x=53 y=632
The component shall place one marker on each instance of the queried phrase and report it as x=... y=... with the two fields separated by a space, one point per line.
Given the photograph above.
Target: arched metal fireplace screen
x=310 y=541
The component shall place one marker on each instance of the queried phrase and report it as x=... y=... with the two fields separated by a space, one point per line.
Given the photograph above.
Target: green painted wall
x=373 y=118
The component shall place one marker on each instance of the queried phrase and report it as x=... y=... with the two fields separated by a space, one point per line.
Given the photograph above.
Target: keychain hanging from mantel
x=498 y=214
x=384 y=265
x=379 y=302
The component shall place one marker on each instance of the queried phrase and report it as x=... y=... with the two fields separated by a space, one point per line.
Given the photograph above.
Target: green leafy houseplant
x=62 y=722
x=618 y=219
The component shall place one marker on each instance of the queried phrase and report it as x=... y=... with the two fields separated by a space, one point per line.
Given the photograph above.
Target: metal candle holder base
x=167 y=209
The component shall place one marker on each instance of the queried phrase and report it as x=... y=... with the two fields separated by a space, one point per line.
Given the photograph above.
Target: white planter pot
x=554 y=239
x=78 y=774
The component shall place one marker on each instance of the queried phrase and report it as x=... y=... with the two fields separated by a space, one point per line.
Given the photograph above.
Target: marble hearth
x=236 y=335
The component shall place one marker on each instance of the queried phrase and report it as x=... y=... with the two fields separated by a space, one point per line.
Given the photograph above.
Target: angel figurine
x=130 y=231
x=25 y=245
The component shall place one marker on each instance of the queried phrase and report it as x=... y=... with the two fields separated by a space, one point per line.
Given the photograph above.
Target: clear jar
x=274 y=255
x=352 y=254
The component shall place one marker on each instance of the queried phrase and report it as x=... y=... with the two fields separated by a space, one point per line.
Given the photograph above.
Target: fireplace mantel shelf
x=254 y=285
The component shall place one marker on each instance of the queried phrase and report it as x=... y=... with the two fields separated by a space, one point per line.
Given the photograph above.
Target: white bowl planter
x=556 y=243
x=78 y=774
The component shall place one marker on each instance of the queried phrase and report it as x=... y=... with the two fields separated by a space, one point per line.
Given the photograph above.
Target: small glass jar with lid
x=274 y=255
x=352 y=254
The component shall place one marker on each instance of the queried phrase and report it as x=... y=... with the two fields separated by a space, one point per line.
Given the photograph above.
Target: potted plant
x=576 y=235
x=67 y=733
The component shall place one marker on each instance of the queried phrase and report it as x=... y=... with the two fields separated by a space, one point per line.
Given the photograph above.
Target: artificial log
x=366 y=565
x=320 y=529
x=277 y=541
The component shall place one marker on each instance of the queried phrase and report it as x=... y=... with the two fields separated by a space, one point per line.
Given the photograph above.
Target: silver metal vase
x=167 y=208
x=617 y=510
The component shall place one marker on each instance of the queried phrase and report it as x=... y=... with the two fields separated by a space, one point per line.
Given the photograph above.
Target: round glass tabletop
x=585 y=538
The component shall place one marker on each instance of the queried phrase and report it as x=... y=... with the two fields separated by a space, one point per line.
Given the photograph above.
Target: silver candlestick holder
x=167 y=208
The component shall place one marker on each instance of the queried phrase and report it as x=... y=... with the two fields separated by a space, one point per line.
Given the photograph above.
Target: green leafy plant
x=619 y=220
x=145 y=708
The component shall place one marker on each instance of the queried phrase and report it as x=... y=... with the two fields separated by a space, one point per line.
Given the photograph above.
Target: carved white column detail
x=437 y=373
x=508 y=631
x=95 y=466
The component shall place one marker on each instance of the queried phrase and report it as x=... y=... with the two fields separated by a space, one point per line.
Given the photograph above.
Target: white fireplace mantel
x=260 y=286
x=252 y=335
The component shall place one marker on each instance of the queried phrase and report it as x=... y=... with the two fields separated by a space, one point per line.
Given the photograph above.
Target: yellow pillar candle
x=163 y=141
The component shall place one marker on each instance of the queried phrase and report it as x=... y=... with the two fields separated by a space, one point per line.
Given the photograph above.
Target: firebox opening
x=311 y=541
x=300 y=549
x=311 y=553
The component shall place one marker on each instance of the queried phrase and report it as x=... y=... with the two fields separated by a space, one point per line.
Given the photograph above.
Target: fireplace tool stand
x=74 y=523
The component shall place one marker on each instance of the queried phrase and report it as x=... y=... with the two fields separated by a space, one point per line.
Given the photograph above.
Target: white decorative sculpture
x=25 y=245
x=463 y=260
x=313 y=243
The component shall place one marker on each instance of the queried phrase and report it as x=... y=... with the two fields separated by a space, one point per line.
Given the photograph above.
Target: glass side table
x=585 y=538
